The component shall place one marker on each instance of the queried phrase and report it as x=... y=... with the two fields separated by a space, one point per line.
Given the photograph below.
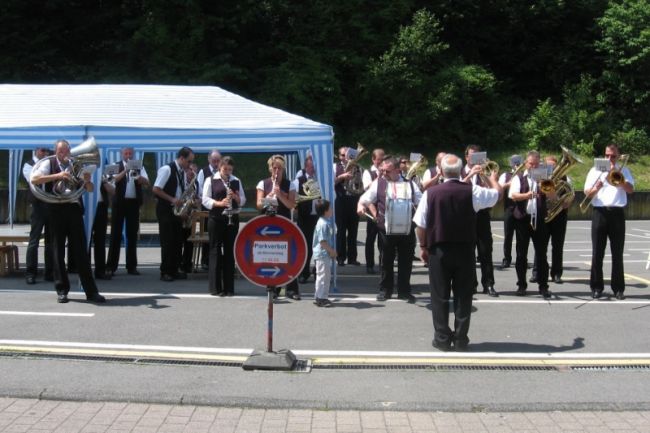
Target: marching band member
x=126 y=209
x=168 y=188
x=214 y=159
x=222 y=191
x=39 y=221
x=191 y=181
x=557 y=232
x=307 y=217
x=369 y=176
x=278 y=188
x=608 y=221
x=446 y=220
x=98 y=233
x=471 y=174
x=391 y=200
x=433 y=176
x=508 y=209
x=529 y=213
x=66 y=221
x=347 y=221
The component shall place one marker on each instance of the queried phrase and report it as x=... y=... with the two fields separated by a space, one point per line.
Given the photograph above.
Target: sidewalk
x=23 y=415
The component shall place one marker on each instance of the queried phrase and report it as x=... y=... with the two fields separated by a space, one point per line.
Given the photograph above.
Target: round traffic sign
x=270 y=251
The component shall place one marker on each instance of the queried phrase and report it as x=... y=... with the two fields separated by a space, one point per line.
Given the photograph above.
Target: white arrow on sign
x=274 y=271
x=269 y=231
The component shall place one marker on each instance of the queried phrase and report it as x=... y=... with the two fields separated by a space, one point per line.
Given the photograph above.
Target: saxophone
x=183 y=208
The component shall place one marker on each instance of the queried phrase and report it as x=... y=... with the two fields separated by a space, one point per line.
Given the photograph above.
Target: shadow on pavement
x=499 y=346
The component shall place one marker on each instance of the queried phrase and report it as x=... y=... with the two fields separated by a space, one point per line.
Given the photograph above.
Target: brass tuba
x=564 y=193
x=354 y=185
x=416 y=171
x=312 y=191
x=82 y=155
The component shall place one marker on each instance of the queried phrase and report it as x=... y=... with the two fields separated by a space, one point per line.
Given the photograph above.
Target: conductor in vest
x=446 y=231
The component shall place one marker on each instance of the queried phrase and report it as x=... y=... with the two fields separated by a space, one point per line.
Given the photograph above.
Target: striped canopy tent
x=153 y=118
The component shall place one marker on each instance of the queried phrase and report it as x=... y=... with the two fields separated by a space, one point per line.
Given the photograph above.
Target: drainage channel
x=307 y=365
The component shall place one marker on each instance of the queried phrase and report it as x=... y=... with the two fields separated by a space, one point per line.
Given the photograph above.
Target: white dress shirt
x=201 y=178
x=367 y=176
x=609 y=195
x=370 y=196
x=482 y=198
x=163 y=176
x=206 y=191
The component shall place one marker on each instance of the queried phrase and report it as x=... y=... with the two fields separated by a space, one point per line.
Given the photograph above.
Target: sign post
x=270 y=251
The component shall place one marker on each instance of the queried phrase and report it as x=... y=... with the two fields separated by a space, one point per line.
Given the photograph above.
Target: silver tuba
x=183 y=209
x=82 y=155
x=354 y=185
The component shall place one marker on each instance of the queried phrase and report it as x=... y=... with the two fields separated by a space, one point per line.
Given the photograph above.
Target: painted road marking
x=37 y=313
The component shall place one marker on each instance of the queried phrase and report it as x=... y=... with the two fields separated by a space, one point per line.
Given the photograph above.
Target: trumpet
x=614 y=177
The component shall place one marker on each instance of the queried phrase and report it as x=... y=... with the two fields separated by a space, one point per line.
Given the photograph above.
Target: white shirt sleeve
x=366 y=179
x=417 y=194
x=163 y=176
x=427 y=175
x=242 y=194
x=295 y=185
x=201 y=179
x=515 y=186
x=483 y=198
x=27 y=171
x=143 y=173
x=42 y=170
x=370 y=196
x=592 y=178
x=420 y=217
x=260 y=185
x=206 y=194
x=502 y=179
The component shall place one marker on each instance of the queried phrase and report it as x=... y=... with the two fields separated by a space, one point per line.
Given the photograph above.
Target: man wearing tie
x=126 y=209
x=529 y=213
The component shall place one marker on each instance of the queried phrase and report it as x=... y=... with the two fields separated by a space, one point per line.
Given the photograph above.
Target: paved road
x=570 y=353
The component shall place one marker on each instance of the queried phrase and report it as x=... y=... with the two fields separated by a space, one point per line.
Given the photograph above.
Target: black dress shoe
x=493 y=293
x=230 y=294
x=505 y=263
x=461 y=347
x=166 y=277
x=532 y=280
x=340 y=262
x=557 y=279
x=294 y=296
x=104 y=276
x=354 y=263
x=620 y=296
x=97 y=298
x=408 y=298
x=520 y=292
x=546 y=294
x=596 y=294
x=133 y=272
x=181 y=276
x=370 y=270
x=381 y=297
x=62 y=299
x=485 y=291
x=444 y=347
x=30 y=280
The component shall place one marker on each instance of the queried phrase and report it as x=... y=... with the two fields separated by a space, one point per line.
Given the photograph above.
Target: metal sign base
x=283 y=360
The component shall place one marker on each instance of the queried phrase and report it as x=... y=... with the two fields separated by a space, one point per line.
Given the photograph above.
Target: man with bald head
x=446 y=230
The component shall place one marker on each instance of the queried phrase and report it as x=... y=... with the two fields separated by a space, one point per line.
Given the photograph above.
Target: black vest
x=285 y=185
x=219 y=193
x=120 y=188
x=339 y=189
x=451 y=217
x=520 y=211
x=169 y=188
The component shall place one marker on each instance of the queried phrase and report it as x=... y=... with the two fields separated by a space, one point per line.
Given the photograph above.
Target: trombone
x=614 y=177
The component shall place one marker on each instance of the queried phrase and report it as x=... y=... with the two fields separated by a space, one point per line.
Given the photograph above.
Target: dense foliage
x=404 y=74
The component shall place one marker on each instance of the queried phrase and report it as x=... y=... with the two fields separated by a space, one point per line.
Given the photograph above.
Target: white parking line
x=37 y=313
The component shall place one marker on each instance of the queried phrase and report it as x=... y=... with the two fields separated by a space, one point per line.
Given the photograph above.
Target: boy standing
x=323 y=252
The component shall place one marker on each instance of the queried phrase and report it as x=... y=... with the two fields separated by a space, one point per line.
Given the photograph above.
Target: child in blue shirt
x=323 y=252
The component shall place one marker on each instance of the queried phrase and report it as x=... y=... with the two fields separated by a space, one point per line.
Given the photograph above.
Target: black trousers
x=307 y=224
x=484 y=247
x=170 y=228
x=607 y=223
x=347 y=226
x=205 y=248
x=557 y=233
x=124 y=211
x=67 y=222
x=451 y=269
x=508 y=233
x=188 y=250
x=403 y=246
x=524 y=233
x=39 y=222
x=99 y=238
x=221 y=272
x=371 y=234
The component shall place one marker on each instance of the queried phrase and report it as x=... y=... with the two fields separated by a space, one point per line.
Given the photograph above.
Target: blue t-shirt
x=322 y=232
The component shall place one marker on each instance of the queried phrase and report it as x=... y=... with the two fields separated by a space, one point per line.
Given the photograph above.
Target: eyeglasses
x=403 y=161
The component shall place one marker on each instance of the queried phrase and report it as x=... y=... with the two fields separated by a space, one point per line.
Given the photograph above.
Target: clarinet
x=228 y=210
